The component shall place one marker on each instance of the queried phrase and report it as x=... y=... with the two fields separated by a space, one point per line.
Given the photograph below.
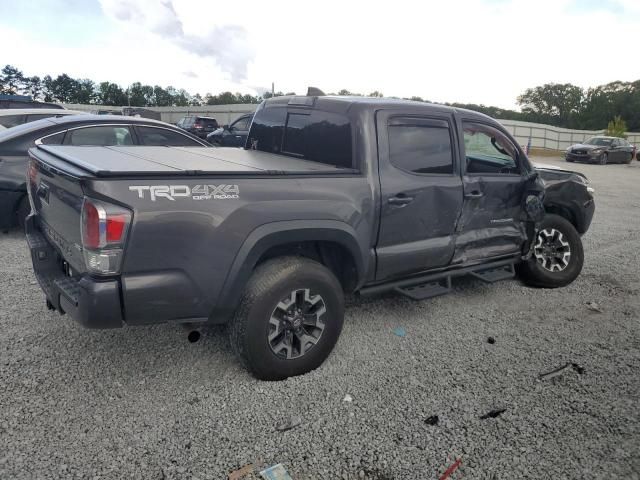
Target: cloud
x=227 y=45
x=190 y=74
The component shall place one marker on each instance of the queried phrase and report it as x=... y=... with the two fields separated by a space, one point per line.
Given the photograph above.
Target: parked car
x=25 y=101
x=12 y=117
x=337 y=195
x=601 y=150
x=71 y=130
x=197 y=125
x=234 y=135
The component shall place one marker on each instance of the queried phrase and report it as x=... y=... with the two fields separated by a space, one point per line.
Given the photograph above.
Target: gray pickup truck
x=332 y=195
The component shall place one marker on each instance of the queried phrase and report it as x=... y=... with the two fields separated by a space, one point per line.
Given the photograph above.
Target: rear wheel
x=557 y=255
x=289 y=318
x=22 y=211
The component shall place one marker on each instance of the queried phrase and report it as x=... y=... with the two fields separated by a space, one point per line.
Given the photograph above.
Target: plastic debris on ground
x=447 y=473
x=276 y=472
x=347 y=398
x=594 y=307
x=399 y=331
x=241 y=472
x=289 y=424
x=560 y=370
x=493 y=413
x=432 y=420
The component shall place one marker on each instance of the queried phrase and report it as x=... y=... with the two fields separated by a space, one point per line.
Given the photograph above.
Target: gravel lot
x=145 y=403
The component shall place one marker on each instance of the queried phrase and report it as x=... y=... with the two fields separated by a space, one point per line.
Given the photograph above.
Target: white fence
x=542 y=136
x=553 y=138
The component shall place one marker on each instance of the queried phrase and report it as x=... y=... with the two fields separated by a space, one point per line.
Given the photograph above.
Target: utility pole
x=273 y=90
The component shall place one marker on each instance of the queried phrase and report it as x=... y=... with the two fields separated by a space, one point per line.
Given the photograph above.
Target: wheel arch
x=332 y=243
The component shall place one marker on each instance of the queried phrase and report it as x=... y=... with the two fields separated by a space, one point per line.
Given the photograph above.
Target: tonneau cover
x=140 y=160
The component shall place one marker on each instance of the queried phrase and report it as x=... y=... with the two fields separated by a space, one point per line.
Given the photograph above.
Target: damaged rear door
x=421 y=192
x=494 y=182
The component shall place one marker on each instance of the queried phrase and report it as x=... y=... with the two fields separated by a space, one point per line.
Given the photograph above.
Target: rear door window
x=107 y=135
x=421 y=146
x=164 y=137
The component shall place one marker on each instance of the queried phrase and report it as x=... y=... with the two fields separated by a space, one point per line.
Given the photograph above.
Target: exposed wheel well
x=564 y=212
x=332 y=255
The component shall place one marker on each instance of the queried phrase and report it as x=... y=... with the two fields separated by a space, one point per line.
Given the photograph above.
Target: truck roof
x=141 y=161
x=342 y=104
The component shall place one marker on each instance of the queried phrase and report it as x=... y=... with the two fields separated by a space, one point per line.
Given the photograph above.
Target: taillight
x=104 y=230
x=197 y=125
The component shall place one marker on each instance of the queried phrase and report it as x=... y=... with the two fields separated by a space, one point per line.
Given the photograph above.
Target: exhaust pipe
x=194 y=332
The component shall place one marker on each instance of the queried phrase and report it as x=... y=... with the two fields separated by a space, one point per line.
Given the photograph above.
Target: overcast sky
x=472 y=51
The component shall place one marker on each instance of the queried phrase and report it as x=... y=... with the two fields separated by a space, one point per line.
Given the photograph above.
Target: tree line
x=563 y=105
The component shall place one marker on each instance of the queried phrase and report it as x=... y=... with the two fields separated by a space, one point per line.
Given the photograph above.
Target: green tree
x=111 y=94
x=376 y=93
x=616 y=127
x=11 y=79
x=64 y=88
x=553 y=102
x=161 y=97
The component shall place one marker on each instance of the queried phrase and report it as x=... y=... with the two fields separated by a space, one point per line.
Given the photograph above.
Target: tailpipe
x=194 y=332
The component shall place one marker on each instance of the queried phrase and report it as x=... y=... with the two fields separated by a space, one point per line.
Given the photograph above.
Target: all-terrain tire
x=276 y=282
x=534 y=273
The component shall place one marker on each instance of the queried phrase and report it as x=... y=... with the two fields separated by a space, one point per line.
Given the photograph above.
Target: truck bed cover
x=142 y=161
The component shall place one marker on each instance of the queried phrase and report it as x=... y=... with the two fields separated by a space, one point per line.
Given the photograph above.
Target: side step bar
x=434 y=284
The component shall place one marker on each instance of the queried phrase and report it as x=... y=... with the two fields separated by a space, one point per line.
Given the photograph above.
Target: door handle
x=400 y=200
x=474 y=194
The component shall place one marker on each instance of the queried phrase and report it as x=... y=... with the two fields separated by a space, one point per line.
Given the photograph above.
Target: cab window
x=107 y=135
x=488 y=150
x=420 y=146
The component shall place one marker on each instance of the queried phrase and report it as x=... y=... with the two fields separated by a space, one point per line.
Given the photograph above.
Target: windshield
x=603 y=142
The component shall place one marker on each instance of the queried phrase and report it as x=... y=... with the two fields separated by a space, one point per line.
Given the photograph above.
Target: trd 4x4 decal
x=198 y=192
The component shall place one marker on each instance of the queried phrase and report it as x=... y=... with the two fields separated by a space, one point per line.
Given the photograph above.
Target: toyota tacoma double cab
x=331 y=196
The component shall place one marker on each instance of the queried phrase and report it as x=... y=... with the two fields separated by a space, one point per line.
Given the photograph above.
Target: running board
x=439 y=283
x=422 y=291
x=491 y=275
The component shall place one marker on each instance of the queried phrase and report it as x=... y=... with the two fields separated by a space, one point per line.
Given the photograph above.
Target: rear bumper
x=92 y=303
x=8 y=201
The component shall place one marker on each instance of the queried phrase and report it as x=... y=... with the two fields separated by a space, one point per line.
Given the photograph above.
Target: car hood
x=583 y=146
x=551 y=173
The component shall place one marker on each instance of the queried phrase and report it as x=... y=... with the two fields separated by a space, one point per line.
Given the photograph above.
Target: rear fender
x=273 y=234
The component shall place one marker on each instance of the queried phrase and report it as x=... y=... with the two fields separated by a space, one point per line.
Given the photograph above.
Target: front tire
x=557 y=255
x=604 y=158
x=289 y=319
x=628 y=160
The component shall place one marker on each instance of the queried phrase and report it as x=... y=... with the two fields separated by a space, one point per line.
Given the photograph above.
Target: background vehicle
x=12 y=117
x=71 y=130
x=338 y=195
x=197 y=125
x=24 y=101
x=601 y=150
x=234 y=135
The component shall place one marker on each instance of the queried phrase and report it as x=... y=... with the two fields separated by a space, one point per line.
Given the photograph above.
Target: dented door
x=494 y=183
x=421 y=192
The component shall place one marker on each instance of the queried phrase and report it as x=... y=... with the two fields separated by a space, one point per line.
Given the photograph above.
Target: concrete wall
x=542 y=136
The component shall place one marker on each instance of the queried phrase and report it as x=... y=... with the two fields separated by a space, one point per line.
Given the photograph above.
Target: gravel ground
x=145 y=403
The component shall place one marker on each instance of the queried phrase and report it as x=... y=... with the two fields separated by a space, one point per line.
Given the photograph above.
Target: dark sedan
x=97 y=130
x=234 y=135
x=601 y=150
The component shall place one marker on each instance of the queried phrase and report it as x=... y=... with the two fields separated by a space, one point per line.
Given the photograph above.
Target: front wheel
x=289 y=318
x=628 y=159
x=557 y=255
x=604 y=158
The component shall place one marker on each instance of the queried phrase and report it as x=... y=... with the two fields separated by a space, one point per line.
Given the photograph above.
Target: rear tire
x=558 y=255
x=24 y=209
x=289 y=319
